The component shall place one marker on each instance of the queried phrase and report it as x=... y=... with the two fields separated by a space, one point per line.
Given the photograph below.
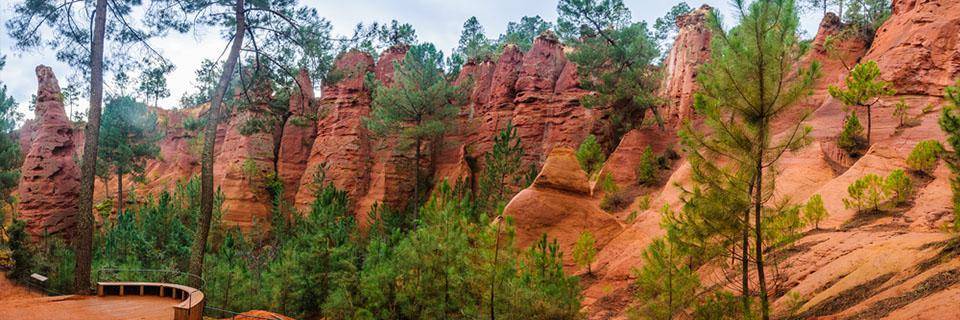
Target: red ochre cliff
x=918 y=50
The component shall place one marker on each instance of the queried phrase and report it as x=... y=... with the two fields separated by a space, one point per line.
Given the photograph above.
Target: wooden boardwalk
x=89 y=307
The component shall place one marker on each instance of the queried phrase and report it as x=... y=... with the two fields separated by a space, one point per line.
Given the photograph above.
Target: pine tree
x=900 y=111
x=473 y=44
x=814 y=211
x=613 y=58
x=667 y=287
x=590 y=155
x=522 y=33
x=924 y=156
x=585 y=251
x=851 y=138
x=417 y=108
x=501 y=169
x=950 y=124
x=10 y=155
x=751 y=80
x=666 y=26
x=277 y=31
x=153 y=83
x=899 y=186
x=868 y=192
x=127 y=139
x=863 y=90
x=648 y=168
x=80 y=33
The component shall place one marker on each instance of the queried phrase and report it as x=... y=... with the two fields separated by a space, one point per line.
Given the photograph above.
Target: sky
x=436 y=21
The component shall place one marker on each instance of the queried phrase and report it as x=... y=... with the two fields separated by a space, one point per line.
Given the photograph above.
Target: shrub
x=814 y=212
x=648 y=168
x=924 y=156
x=643 y=202
x=23 y=259
x=585 y=251
x=615 y=201
x=899 y=185
x=590 y=155
x=868 y=192
x=851 y=138
x=900 y=111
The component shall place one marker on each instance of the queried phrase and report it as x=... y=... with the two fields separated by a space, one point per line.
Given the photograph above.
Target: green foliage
x=417 y=107
x=522 y=33
x=590 y=155
x=473 y=44
x=128 y=136
x=153 y=83
x=899 y=186
x=397 y=34
x=502 y=168
x=868 y=192
x=613 y=58
x=204 y=84
x=863 y=84
x=924 y=156
x=814 y=212
x=868 y=15
x=648 y=169
x=851 y=139
x=55 y=260
x=449 y=265
x=19 y=244
x=900 y=111
x=579 y=18
x=754 y=77
x=950 y=124
x=585 y=250
x=10 y=155
x=863 y=89
x=613 y=198
x=667 y=287
x=665 y=28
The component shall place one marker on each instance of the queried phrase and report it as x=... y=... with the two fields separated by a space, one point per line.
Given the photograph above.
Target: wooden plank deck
x=89 y=307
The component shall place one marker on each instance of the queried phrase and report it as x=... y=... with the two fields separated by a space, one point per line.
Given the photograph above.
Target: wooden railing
x=190 y=307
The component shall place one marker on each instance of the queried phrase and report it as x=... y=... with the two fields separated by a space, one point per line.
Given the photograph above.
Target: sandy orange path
x=88 y=307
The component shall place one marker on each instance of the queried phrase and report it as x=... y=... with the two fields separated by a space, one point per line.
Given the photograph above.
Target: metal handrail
x=202 y=282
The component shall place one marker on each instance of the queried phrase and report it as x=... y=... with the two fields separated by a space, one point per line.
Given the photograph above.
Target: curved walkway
x=143 y=300
x=90 y=307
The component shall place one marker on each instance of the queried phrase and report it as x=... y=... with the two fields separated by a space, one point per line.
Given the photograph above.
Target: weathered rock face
x=690 y=50
x=342 y=144
x=918 y=48
x=242 y=167
x=298 y=136
x=50 y=178
x=559 y=204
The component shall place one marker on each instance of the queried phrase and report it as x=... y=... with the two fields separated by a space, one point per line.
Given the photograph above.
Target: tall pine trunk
x=758 y=233
x=209 y=141
x=119 y=192
x=88 y=165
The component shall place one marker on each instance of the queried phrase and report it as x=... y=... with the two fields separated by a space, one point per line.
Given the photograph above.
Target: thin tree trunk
x=119 y=193
x=493 y=276
x=416 y=180
x=88 y=165
x=869 y=125
x=209 y=140
x=758 y=228
x=745 y=264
